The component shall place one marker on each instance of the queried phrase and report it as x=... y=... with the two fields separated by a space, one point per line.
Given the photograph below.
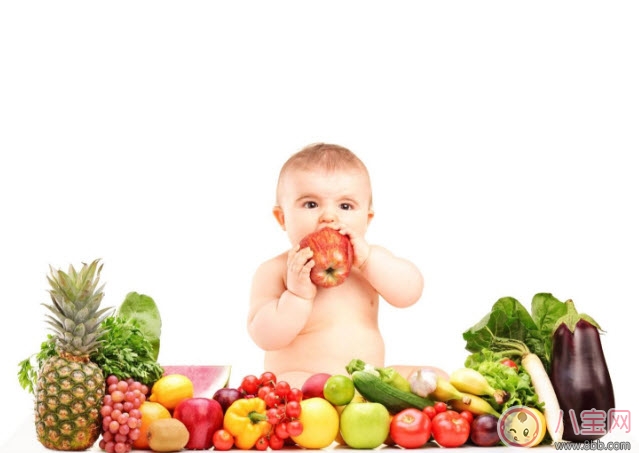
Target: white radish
x=546 y=394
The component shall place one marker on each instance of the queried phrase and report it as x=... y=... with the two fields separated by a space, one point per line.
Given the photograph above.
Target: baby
x=306 y=329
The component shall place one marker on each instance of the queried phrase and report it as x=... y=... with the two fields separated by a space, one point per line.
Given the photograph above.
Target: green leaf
x=546 y=310
x=143 y=309
x=510 y=320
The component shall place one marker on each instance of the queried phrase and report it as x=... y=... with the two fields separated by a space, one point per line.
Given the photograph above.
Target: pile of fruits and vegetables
x=96 y=379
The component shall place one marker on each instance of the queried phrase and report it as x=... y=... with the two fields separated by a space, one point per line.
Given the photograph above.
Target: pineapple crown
x=76 y=317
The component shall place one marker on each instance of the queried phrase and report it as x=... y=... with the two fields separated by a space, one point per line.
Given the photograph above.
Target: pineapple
x=70 y=387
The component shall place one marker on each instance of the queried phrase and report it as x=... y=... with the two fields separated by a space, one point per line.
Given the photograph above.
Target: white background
x=499 y=137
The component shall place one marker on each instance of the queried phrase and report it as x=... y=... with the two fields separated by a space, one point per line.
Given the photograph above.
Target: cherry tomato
x=410 y=428
x=282 y=388
x=275 y=442
x=450 y=429
x=440 y=406
x=281 y=430
x=295 y=395
x=295 y=428
x=250 y=384
x=268 y=379
x=293 y=409
x=262 y=443
x=271 y=399
x=273 y=416
x=509 y=363
x=430 y=411
x=263 y=391
x=468 y=415
x=222 y=440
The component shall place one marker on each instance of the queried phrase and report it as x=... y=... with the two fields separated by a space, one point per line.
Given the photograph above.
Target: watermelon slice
x=207 y=379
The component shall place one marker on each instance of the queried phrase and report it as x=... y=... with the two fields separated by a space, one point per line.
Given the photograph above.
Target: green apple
x=364 y=425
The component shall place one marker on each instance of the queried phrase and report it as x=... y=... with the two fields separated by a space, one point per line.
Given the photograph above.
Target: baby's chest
x=343 y=300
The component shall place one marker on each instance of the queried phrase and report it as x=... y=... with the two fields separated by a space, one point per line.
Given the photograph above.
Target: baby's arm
x=396 y=279
x=278 y=313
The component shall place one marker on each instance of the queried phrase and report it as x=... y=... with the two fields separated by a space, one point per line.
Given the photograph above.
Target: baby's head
x=323 y=184
x=323 y=158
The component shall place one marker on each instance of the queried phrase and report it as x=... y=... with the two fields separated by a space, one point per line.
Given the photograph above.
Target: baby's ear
x=371 y=214
x=278 y=213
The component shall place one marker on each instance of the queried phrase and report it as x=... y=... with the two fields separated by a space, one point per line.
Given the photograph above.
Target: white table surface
x=24 y=441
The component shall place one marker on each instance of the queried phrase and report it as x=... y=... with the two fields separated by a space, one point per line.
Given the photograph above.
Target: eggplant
x=579 y=373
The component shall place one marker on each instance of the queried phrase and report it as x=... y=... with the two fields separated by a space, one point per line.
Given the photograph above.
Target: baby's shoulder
x=273 y=265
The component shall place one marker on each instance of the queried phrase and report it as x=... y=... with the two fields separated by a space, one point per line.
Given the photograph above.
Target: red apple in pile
x=333 y=256
x=202 y=417
x=313 y=387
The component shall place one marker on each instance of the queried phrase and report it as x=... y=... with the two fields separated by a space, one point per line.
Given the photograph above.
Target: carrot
x=541 y=383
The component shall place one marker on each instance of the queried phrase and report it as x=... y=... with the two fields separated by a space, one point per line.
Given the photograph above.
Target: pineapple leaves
x=124 y=351
x=125 y=344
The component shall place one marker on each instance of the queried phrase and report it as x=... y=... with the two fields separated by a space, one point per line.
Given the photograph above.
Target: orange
x=171 y=389
x=150 y=412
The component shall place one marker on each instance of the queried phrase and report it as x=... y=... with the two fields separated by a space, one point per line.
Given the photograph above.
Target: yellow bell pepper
x=245 y=419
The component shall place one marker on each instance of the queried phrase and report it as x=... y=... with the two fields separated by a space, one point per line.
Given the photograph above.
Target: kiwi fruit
x=167 y=434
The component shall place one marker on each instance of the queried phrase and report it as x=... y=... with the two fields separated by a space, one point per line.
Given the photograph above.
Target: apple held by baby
x=333 y=256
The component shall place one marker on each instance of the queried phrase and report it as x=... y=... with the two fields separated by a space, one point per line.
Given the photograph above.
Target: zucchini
x=373 y=389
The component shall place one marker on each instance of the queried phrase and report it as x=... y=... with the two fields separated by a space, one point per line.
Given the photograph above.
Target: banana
x=473 y=403
x=445 y=391
x=472 y=381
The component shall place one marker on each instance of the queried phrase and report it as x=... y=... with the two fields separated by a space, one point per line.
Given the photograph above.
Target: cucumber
x=375 y=390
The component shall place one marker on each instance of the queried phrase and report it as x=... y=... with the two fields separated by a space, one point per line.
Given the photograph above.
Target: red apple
x=314 y=386
x=333 y=256
x=202 y=417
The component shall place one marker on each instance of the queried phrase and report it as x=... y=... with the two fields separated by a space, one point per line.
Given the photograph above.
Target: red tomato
x=509 y=363
x=440 y=406
x=450 y=429
x=430 y=411
x=410 y=428
x=222 y=440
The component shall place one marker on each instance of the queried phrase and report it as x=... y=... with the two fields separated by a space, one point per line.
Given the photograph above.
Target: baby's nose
x=328 y=215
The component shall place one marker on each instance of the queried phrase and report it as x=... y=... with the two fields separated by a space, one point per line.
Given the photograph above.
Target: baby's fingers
x=298 y=258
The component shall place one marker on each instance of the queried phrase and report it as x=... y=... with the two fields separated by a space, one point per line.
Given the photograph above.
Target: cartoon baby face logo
x=521 y=426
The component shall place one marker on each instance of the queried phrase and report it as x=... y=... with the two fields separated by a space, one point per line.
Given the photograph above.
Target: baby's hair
x=325 y=156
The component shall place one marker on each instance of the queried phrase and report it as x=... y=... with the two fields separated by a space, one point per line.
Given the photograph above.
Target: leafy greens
x=516 y=382
x=509 y=319
x=128 y=348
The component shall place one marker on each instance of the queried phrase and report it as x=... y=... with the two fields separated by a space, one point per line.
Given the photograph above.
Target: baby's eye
x=310 y=205
x=346 y=206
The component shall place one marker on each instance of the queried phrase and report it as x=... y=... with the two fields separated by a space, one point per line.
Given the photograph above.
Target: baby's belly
x=326 y=351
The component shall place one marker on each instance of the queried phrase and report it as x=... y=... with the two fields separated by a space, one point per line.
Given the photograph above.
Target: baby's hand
x=298 y=274
x=361 y=249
